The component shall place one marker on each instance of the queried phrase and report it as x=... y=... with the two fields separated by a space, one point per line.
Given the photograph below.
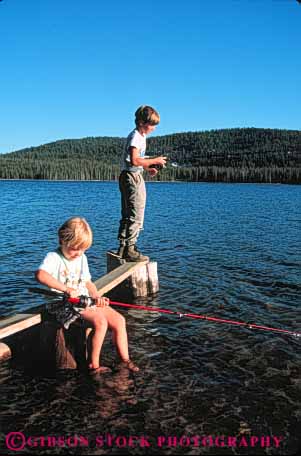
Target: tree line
x=229 y=155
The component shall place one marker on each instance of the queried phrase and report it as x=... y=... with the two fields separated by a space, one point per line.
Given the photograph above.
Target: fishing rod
x=86 y=301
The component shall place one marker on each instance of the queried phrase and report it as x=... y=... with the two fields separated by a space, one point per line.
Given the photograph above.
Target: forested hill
x=230 y=155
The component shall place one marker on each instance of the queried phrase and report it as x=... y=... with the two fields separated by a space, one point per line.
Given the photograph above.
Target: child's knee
x=118 y=323
x=100 y=323
x=121 y=322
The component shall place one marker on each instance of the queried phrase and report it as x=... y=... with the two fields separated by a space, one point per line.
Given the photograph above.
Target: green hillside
x=230 y=155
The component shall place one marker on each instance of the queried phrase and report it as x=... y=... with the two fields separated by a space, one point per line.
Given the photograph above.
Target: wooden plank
x=16 y=323
x=118 y=275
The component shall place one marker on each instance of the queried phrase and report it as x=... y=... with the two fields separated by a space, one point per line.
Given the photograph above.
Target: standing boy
x=132 y=185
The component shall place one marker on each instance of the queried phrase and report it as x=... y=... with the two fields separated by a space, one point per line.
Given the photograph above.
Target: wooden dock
x=23 y=322
x=116 y=276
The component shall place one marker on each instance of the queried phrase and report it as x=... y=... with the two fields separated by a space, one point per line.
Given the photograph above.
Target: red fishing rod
x=86 y=301
x=207 y=318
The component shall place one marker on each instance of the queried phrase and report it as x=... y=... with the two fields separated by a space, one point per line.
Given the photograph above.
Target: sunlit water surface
x=230 y=251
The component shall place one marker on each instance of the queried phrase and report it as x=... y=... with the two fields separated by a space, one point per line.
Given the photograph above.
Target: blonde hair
x=146 y=115
x=76 y=233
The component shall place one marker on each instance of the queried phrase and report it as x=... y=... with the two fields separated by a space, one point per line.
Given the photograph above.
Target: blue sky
x=71 y=69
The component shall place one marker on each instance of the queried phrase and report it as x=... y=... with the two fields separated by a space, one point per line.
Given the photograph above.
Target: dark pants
x=133 y=197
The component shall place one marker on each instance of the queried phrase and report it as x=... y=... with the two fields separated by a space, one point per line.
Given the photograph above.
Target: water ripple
x=228 y=251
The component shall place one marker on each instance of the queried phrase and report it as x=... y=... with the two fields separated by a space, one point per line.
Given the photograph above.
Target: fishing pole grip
x=82 y=301
x=73 y=300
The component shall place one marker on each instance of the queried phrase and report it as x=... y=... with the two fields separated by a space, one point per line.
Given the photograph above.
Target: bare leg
x=100 y=325
x=117 y=323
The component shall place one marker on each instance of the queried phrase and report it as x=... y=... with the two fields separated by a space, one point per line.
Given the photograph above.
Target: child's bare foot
x=99 y=369
x=129 y=364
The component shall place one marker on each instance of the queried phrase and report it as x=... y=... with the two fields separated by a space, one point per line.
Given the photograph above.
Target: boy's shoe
x=133 y=254
x=121 y=251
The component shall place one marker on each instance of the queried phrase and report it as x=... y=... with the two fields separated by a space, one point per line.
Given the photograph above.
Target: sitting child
x=66 y=270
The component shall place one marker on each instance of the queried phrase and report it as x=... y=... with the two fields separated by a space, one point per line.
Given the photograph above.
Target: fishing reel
x=169 y=161
x=155 y=166
x=81 y=301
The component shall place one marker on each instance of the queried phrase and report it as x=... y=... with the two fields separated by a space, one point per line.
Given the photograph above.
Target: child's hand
x=101 y=301
x=161 y=160
x=72 y=292
x=152 y=172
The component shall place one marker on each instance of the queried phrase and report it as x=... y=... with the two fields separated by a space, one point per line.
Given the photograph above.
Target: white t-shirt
x=138 y=140
x=73 y=274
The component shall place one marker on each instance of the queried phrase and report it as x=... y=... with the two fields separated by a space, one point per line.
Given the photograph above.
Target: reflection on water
x=231 y=251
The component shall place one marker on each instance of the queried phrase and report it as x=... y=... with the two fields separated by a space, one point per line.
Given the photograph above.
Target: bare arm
x=45 y=278
x=136 y=160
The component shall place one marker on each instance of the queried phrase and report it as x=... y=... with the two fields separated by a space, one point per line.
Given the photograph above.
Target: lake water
x=225 y=250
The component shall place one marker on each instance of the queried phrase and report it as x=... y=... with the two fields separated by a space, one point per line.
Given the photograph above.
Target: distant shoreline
x=151 y=182
x=109 y=181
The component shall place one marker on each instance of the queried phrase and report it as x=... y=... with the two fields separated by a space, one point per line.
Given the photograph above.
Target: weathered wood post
x=62 y=348
x=142 y=282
